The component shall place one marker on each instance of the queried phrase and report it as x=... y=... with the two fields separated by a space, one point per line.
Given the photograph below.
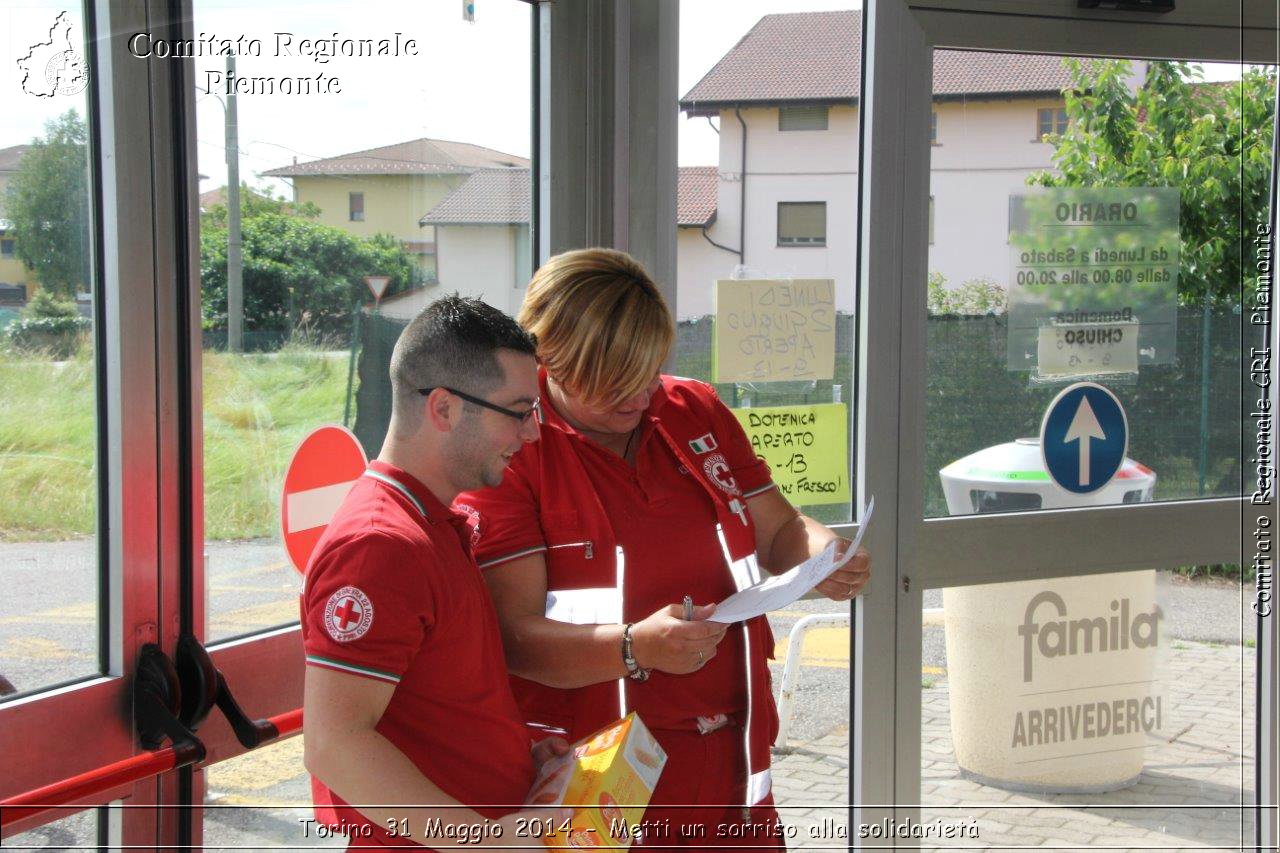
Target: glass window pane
x=1045 y=700
x=811 y=769
x=262 y=800
x=1044 y=123
x=77 y=831
x=432 y=194
x=741 y=223
x=802 y=118
x=738 y=228
x=802 y=222
x=1034 y=285
x=48 y=366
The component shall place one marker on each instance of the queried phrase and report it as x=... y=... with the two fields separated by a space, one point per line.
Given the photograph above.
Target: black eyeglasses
x=522 y=417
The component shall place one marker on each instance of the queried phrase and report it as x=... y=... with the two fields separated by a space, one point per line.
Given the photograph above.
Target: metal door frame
x=72 y=729
x=913 y=553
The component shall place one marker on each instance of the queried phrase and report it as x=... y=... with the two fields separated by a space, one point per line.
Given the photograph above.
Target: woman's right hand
x=665 y=641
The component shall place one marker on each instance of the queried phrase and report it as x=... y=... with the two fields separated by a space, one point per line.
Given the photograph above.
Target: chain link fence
x=1186 y=424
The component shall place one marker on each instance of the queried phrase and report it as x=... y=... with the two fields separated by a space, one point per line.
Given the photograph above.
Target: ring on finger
x=702 y=659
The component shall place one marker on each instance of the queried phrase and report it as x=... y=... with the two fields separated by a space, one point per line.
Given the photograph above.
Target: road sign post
x=323 y=469
x=377 y=285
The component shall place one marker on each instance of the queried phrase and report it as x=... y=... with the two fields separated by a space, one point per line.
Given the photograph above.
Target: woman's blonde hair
x=602 y=326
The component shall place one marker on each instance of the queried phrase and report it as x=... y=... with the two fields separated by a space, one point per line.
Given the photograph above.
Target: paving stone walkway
x=1198 y=771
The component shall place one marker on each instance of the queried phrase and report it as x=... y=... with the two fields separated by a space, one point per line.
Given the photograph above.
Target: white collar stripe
x=399 y=487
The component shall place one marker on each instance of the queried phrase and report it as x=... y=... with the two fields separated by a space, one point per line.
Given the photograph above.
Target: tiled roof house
x=487 y=197
x=14 y=275
x=387 y=189
x=791 y=208
x=815 y=58
x=415 y=157
x=990 y=110
x=503 y=196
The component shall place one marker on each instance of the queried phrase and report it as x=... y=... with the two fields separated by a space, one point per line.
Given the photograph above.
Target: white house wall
x=819 y=165
x=698 y=265
x=480 y=261
x=985 y=151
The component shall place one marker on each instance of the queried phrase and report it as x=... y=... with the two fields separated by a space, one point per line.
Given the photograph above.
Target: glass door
x=325 y=165
x=1075 y=646
x=88 y=547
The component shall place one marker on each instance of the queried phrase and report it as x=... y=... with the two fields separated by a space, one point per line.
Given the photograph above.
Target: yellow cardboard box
x=608 y=778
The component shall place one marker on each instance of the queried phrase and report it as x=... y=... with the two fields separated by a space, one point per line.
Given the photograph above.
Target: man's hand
x=847 y=581
x=666 y=642
x=548 y=748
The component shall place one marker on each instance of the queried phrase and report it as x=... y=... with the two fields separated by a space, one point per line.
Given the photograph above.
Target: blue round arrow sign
x=1084 y=437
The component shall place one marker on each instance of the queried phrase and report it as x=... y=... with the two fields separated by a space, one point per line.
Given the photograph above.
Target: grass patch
x=1225 y=571
x=256 y=409
x=48 y=470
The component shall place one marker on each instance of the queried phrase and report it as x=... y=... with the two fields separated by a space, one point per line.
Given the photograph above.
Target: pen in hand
x=688 y=608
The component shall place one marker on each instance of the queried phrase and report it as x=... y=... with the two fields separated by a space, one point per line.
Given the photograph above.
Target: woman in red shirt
x=642 y=489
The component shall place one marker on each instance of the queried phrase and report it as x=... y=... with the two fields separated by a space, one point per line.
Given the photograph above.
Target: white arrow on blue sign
x=1084 y=437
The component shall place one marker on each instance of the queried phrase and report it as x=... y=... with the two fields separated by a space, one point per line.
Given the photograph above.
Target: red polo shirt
x=666 y=524
x=393 y=594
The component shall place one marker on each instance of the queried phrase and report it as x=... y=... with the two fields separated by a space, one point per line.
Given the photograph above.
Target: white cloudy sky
x=470 y=82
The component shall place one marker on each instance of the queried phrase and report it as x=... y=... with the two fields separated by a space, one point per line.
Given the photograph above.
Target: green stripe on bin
x=1012 y=476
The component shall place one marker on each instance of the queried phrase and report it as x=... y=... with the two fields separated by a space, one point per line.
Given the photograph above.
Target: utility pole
x=235 y=264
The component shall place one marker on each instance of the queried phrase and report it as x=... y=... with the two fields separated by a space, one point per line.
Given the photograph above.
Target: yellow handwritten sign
x=807 y=448
x=775 y=330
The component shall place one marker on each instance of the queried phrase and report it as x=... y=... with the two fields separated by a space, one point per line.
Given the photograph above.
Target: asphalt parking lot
x=49 y=635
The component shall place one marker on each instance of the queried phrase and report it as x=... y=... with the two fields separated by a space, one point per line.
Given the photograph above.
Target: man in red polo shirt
x=407 y=703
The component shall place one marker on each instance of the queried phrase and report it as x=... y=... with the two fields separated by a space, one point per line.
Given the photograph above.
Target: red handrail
x=86 y=785
x=287 y=723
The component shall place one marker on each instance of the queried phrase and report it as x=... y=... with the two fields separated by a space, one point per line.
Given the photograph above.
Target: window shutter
x=802 y=118
x=802 y=223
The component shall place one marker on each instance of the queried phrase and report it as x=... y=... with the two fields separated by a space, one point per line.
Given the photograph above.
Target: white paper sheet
x=779 y=591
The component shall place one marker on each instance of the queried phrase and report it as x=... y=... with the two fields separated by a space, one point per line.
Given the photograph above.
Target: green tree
x=257 y=202
x=298 y=272
x=1210 y=140
x=47 y=200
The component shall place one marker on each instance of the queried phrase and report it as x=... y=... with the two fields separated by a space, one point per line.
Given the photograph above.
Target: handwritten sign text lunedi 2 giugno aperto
x=775 y=330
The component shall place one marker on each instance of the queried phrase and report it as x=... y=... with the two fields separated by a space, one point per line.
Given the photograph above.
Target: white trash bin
x=1052 y=682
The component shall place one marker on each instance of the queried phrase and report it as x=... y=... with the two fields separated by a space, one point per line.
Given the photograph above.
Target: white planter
x=1052 y=682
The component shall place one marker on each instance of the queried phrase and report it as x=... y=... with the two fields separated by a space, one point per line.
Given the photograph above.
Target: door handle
x=204 y=687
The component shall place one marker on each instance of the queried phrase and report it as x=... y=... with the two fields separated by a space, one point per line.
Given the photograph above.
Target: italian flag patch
x=703 y=444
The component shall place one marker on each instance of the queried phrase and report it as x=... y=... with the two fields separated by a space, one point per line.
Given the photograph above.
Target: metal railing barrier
x=791 y=669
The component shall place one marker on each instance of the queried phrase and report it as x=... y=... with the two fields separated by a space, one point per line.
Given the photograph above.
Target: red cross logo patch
x=718 y=470
x=473 y=521
x=348 y=615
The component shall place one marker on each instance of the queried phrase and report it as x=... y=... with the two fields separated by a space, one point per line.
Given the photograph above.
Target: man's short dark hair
x=452 y=344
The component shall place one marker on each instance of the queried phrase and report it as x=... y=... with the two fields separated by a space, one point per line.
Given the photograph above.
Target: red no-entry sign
x=323 y=469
